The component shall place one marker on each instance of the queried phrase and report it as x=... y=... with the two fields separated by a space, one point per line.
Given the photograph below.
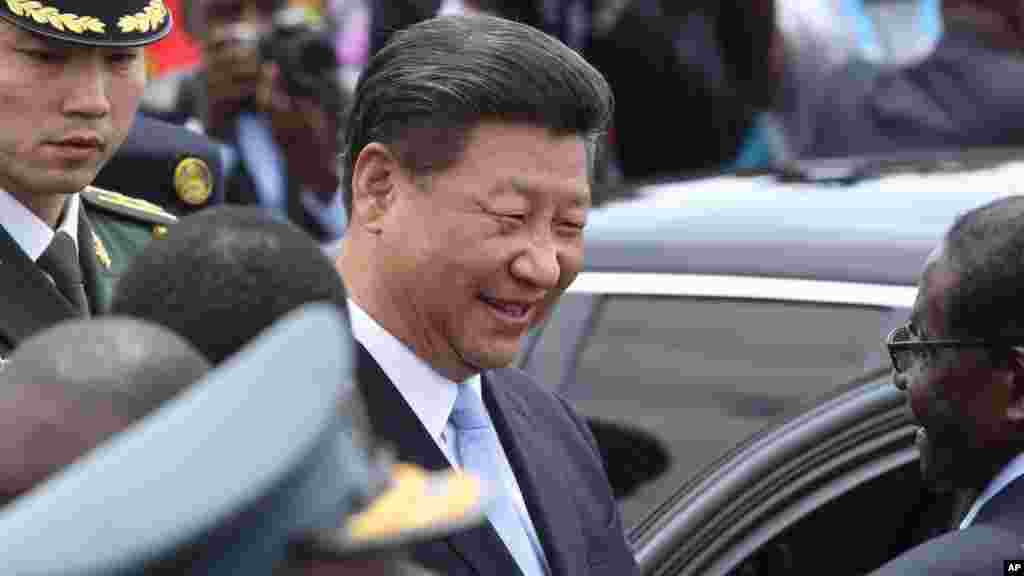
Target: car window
x=702 y=375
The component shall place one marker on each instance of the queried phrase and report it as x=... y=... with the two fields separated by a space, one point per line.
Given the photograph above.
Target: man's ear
x=374 y=178
x=1015 y=407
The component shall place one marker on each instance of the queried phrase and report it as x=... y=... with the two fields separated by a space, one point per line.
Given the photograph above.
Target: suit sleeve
x=617 y=551
x=976 y=551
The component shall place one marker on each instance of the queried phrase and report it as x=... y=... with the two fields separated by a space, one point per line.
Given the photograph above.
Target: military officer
x=71 y=75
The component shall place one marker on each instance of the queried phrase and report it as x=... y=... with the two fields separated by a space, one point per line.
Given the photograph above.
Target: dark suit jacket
x=965 y=93
x=996 y=535
x=555 y=460
x=29 y=302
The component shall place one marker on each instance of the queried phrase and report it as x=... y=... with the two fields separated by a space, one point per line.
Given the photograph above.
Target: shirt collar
x=430 y=395
x=29 y=231
x=1013 y=470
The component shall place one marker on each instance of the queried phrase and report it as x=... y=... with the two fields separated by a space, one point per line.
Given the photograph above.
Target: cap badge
x=193 y=181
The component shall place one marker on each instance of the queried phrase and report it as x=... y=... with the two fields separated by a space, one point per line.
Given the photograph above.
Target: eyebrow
x=580 y=199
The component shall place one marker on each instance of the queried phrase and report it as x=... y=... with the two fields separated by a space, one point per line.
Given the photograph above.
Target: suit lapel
x=29 y=302
x=395 y=424
x=527 y=442
x=392 y=419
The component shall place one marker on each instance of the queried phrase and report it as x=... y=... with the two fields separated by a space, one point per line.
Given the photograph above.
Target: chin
x=491 y=359
x=67 y=183
x=949 y=464
x=936 y=465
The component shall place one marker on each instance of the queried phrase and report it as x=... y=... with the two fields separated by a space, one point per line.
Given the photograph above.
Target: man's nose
x=87 y=95
x=538 y=264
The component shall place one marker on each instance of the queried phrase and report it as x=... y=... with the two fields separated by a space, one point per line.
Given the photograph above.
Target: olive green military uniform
x=112 y=229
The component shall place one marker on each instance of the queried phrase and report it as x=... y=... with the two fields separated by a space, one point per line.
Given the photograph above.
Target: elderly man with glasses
x=960 y=361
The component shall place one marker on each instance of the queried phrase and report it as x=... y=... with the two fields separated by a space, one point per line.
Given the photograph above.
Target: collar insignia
x=101 y=252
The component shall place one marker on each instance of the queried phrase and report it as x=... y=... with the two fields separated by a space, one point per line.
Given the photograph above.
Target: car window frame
x=690 y=534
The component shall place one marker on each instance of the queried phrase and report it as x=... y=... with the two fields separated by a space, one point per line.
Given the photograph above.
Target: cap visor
x=418 y=505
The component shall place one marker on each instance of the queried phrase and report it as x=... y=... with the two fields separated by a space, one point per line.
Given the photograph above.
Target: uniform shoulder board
x=127 y=206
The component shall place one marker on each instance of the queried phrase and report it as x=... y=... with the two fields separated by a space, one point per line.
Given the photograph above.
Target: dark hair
x=223 y=275
x=985 y=249
x=435 y=81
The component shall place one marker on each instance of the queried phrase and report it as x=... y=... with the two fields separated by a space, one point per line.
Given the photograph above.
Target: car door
x=685 y=378
x=835 y=489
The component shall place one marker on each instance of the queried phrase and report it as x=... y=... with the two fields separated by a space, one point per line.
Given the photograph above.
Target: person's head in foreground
x=70 y=387
x=470 y=147
x=260 y=467
x=961 y=357
x=222 y=275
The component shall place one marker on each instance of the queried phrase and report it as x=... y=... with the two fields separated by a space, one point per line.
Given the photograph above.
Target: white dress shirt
x=29 y=231
x=1013 y=470
x=430 y=395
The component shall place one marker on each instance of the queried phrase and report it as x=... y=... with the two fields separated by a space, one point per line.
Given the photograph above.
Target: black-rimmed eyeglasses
x=906 y=350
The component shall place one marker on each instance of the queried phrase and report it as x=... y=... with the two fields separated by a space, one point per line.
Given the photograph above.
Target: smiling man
x=961 y=362
x=470 y=147
x=71 y=75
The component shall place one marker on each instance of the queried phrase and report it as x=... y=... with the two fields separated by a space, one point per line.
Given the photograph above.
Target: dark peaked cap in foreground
x=91 y=22
x=252 y=459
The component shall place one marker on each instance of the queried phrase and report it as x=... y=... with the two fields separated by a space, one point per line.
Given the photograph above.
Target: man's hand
x=233 y=75
x=306 y=133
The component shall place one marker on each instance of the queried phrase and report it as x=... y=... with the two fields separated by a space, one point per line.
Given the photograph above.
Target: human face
x=65 y=110
x=219 y=20
x=477 y=254
x=959 y=396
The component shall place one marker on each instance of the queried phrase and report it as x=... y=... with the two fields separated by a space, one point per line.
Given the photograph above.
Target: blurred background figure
x=694 y=71
x=261 y=467
x=57 y=406
x=268 y=87
x=959 y=91
x=221 y=276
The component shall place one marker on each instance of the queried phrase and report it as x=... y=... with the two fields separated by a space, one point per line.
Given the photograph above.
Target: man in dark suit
x=471 y=145
x=961 y=362
x=281 y=143
x=965 y=93
x=74 y=73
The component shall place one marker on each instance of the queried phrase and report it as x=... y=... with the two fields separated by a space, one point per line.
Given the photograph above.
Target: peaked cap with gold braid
x=91 y=22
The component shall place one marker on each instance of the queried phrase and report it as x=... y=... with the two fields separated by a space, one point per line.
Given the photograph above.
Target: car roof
x=875 y=230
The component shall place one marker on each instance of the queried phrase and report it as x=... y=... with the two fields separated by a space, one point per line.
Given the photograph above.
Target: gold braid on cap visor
x=150 y=18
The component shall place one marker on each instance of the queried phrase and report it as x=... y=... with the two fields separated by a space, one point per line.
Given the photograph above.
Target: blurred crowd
x=700 y=87
x=321 y=123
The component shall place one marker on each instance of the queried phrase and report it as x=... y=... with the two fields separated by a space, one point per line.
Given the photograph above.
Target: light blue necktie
x=480 y=452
